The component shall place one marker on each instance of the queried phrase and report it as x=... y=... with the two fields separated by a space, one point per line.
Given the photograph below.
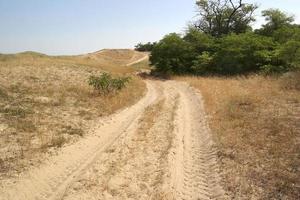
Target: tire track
x=136 y=166
x=195 y=169
x=52 y=179
x=160 y=148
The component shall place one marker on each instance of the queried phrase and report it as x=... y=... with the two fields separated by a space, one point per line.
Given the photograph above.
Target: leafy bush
x=202 y=64
x=243 y=53
x=199 y=41
x=172 y=55
x=290 y=54
x=286 y=33
x=106 y=84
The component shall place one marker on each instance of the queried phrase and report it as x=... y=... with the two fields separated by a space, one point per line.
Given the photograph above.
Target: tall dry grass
x=255 y=122
x=46 y=102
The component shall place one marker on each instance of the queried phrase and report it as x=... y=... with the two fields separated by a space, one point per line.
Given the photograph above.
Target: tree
x=145 y=47
x=275 y=19
x=203 y=64
x=243 y=53
x=290 y=53
x=221 y=17
x=172 y=55
x=198 y=40
x=286 y=33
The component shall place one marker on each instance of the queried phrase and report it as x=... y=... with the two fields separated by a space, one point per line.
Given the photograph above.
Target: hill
x=46 y=102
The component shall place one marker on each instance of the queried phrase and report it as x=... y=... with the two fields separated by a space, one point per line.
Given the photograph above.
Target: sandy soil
x=160 y=148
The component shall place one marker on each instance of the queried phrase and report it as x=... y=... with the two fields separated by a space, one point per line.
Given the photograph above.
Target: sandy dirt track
x=160 y=148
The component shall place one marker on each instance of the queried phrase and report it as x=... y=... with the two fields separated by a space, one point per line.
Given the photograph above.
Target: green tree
x=290 y=54
x=172 y=55
x=199 y=41
x=286 y=33
x=243 y=53
x=145 y=47
x=203 y=64
x=221 y=17
x=275 y=19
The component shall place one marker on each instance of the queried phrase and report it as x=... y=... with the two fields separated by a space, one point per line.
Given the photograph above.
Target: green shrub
x=106 y=84
x=202 y=63
x=199 y=41
x=172 y=55
x=272 y=69
x=286 y=33
x=290 y=54
x=243 y=53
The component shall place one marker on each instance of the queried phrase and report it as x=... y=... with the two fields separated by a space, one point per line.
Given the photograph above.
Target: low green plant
x=106 y=84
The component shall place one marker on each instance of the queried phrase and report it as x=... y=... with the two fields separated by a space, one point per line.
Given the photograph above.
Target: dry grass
x=256 y=124
x=112 y=59
x=46 y=102
x=144 y=65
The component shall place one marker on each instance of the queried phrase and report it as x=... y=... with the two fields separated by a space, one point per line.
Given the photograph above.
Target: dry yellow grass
x=112 y=59
x=256 y=125
x=46 y=102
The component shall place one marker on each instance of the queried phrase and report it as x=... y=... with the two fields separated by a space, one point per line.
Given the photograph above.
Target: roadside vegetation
x=47 y=102
x=250 y=82
x=222 y=42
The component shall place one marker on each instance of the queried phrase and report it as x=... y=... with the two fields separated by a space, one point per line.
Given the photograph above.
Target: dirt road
x=160 y=148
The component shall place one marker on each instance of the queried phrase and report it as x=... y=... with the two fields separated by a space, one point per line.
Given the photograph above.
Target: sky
x=69 y=27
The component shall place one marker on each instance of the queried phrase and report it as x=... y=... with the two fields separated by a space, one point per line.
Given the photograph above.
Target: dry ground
x=158 y=149
x=46 y=102
x=255 y=122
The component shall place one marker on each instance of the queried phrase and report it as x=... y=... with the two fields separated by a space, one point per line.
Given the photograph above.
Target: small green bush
x=106 y=84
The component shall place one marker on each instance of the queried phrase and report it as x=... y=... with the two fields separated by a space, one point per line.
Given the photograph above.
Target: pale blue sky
x=79 y=26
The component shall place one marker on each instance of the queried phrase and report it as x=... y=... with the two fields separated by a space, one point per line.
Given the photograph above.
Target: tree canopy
x=275 y=19
x=221 y=17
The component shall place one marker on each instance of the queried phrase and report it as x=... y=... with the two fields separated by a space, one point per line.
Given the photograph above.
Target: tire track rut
x=51 y=180
x=160 y=148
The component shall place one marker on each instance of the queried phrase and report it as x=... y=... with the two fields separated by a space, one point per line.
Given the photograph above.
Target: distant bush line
x=145 y=47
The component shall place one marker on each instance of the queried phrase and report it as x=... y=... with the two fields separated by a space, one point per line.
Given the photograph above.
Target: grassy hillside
x=255 y=122
x=45 y=102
